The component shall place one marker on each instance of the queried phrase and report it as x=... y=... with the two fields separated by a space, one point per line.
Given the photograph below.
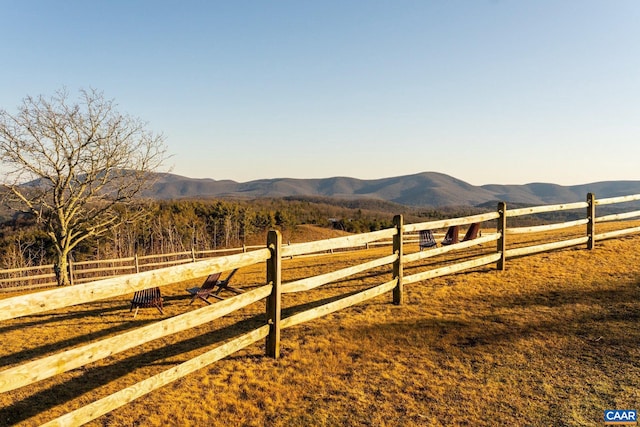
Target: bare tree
x=71 y=163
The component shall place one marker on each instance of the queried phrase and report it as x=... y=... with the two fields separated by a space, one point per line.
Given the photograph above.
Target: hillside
x=427 y=189
x=539 y=344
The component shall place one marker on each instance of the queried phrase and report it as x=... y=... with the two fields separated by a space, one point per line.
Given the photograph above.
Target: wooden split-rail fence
x=43 y=276
x=271 y=257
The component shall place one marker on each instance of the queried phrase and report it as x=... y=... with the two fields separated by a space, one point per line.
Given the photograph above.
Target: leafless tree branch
x=70 y=163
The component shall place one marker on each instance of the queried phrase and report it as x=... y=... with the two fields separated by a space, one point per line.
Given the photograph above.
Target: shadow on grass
x=604 y=317
x=81 y=312
x=32 y=353
x=485 y=328
x=627 y=291
x=80 y=316
x=94 y=378
x=49 y=317
x=123 y=325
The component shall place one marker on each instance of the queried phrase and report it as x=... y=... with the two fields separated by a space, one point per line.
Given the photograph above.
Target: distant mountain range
x=427 y=189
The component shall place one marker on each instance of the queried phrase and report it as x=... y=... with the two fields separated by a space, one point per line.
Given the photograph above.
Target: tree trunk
x=61 y=268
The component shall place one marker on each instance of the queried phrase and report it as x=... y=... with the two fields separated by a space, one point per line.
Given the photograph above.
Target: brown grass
x=553 y=340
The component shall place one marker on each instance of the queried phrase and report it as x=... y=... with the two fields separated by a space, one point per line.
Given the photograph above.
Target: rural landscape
x=551 y=340
x=300 y=214
x=341 y=305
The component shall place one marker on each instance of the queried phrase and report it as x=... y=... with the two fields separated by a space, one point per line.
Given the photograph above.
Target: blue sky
x=491 y=92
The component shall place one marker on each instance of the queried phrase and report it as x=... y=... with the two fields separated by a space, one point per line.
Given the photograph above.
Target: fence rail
x=272 y=256
x=86 y=271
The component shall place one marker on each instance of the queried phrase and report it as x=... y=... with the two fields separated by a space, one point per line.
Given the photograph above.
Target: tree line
x=175 y=226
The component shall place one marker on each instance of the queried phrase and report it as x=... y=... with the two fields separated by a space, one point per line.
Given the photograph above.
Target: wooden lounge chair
x=472 y=232
x=212 y=287
x=146 y=298
x=427 y=240
x=452 y=235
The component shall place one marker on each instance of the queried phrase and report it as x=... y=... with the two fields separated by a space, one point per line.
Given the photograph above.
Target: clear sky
x=488 y=91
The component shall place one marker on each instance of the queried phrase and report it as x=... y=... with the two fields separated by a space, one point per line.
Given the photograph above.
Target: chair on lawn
x=472 y=232
x=146 y=298
x=452 y=235
x=212 y=287
x=427 y=240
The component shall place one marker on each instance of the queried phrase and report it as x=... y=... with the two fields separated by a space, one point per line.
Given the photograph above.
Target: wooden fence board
x=28 y=278
x=172 y=254
x=546 y=208
x=19 y=288
x=617 y=233
x=336 y=242
x=37 y=370
x=618 y=216
x=454 y=268
x=322 y=279
x=21 y=269
x=546 y=247
x=107 y=288
x=165 y=263
x=620 y=199
x=547 y=227
x=102 y=269
x=444 y=223
x=104 y=261
x=416 y=256
x=323 y=310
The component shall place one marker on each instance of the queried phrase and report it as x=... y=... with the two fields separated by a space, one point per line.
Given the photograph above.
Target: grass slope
x=553 y=340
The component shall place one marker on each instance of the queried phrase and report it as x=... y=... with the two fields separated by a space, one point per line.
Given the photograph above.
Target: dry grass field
x=551 y=341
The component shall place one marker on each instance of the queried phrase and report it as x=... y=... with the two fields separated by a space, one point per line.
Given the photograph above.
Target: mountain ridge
x=425 y=189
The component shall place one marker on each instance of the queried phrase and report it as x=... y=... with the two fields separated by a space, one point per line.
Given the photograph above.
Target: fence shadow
x=96 y=377
x=597 y=325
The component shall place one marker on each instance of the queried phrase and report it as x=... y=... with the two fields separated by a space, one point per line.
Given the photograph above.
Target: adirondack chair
x=146 y=298
x=427 y=240
x=472 y=232
x=452 y=235
x=212 y=287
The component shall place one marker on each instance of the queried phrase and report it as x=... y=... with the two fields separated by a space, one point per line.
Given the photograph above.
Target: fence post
x=71 y=271
x=135 y=263
x=193 y=254
x=591 y=217
x=501 y=230
x=274 y=277
x=398 y=291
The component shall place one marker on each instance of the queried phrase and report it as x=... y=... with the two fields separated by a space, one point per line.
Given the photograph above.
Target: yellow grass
x=553 y=340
